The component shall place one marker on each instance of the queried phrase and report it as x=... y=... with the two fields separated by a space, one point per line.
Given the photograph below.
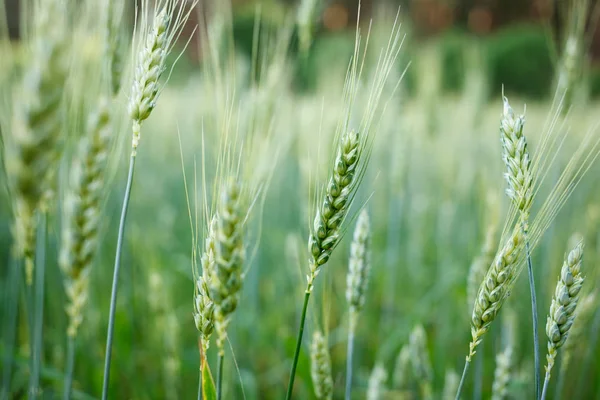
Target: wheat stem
x=70 y=365
x=220 y=375
x=534 y=315
x=350 y=354
x=12 y=303
x=546 y=381
x=462 y=379
x=298 y=344
x=478 y=378
x=40 y=260
x=113 y=296
x=200 y=382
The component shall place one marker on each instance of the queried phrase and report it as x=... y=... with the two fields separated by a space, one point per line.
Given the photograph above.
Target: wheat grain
x=480 y=265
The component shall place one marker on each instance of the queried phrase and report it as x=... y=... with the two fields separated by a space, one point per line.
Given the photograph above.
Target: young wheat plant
x=157 y=38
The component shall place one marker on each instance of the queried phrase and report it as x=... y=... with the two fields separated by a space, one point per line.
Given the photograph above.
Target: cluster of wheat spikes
x=63 y=122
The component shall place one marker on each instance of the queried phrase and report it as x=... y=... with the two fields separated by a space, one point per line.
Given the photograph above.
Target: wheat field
x=361 y=238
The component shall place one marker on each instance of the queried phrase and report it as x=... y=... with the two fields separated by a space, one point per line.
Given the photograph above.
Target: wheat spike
x=359 y=265
x=226 y=279
x=421 y=365
x=337 y=199
x=83 y=212
x=450 y=384
x=516 y=157
x=480 y=265
x=402 y=369
x=564 y=302
x=36 y=125
x=494 y=289
x=204 y=307
x=502 y=374
x=320 y=367
x=376 y=387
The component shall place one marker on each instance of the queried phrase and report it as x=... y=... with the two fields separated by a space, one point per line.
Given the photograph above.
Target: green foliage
x=519 y=59
x=453 y=48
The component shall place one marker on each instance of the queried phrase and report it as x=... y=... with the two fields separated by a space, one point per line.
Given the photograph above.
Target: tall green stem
x=462 y=379
x=113 y=296
x=220 y=374
x=40 y=260
x=478 y=381
x=350 y=353
x=12 y=304
x=70 y=365
x=298 y=345
x=200 y=383
x=534 y=315
x=546 y=381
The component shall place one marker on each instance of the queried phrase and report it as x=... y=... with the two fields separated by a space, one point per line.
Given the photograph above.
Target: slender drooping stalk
x=520 y=190
x=493 y=292
x=326 y=231
x=358 y=274
x=562 y=309
x=226 y=275
x=320 y=367
x=149 y=66
x=40 y=267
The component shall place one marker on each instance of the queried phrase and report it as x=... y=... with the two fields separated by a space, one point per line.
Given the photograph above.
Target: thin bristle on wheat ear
x=320 y=367
x=564 y=302
x=495 y=289
x=359 y=264
x=36 y=125
x=82 y=212
x=204 y=307
x=516 y=157
x=337 y=199
x=226 y=279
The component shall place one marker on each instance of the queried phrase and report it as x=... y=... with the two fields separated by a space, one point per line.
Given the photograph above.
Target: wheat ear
x=562 y=309
x=37 y=124
x=358 y=275
x=320 y=367
x=450 y=384
x=421 y=365
x=376 y=385
x=204 y=307
x=519 y=177
x=226 y=278
x=502 y=374
x=402 y=369
x=493 y=292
